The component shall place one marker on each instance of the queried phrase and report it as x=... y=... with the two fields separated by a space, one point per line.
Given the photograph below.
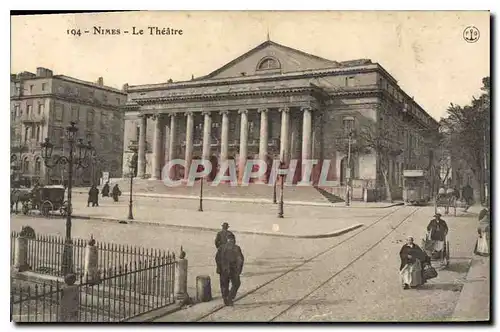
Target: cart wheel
x=45 y=208
x=26 y=208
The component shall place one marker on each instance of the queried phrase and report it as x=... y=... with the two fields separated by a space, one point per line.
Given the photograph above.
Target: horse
x=19 y=195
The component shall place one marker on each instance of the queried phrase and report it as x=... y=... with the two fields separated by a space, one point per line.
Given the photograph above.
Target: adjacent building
x=276 y=102
x=44 y=104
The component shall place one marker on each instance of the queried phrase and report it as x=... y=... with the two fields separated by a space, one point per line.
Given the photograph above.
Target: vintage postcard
x=250 y=166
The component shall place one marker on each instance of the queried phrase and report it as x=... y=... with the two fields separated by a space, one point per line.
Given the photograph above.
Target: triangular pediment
x=270 y=58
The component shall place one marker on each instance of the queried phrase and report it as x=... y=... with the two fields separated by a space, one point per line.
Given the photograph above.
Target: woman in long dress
x=483 y=240
x=412 y=259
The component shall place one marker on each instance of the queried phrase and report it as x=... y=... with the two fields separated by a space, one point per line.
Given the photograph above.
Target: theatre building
x=273 y=103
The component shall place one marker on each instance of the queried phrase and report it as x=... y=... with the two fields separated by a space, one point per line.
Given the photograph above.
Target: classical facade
x=274 y=102
x=43 y=105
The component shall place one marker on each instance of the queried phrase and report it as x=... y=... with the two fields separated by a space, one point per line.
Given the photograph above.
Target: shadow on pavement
x=444 y=287
x=459 y=267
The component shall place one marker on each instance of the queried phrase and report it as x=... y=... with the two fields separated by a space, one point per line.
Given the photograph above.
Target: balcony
x=33 y=118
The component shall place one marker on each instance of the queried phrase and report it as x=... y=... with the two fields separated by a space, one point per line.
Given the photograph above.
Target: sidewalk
x=244 y=223
x=474 y=301
x=354 y=204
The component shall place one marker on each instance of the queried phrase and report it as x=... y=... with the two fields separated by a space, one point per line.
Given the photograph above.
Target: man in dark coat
x=467 y=196
x=221 y=237
x=105 y=190
x=438 y=229
x=229 y=260
x=93 y=196
x=116 y=193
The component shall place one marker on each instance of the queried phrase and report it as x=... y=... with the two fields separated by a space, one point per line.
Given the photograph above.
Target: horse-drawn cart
x=447 y=200
x=46 y=199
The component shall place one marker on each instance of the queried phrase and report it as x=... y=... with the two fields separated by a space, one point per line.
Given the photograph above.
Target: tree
x=467 y=131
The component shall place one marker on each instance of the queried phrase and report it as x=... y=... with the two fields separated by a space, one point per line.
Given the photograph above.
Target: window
x=16 y=111
x=349 y=81
x=44 y=86
x=118 y=101
x=268 y=63
x=90 y=118
x=38 y=166
x=29 y=110
x=26 y=132
x=105 y=98
x=33 y=132
x=38 y=133
x=74 y=114
x=31 y=88
x=41 y=109
x=26 y=165
x=348 y=124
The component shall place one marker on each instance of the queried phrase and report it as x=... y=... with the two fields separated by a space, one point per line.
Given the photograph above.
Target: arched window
x=268 y=63
x=26 y=165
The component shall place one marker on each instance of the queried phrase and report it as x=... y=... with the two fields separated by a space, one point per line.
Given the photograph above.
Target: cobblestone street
x=352 y=277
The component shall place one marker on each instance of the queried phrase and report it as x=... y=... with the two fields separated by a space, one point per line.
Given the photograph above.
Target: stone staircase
x=257 y=191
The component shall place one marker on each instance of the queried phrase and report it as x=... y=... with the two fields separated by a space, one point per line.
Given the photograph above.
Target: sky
x=423 y=50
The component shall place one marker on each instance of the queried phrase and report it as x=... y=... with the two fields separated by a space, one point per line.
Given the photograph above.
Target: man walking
x=229 y=260
x=221 y=237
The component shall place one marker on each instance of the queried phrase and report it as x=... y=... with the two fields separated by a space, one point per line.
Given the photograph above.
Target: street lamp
x=348 y=171
x=200 y=208
x=132 y=169
x=282 y=178
x=80 y=154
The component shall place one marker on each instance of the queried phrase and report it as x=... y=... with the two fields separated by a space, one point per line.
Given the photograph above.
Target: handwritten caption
x=135 y=31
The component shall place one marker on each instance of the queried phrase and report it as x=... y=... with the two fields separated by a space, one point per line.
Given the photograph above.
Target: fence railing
x=45 y=254
x=117 y=294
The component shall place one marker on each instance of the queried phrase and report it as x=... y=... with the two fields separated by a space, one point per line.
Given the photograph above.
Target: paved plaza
x=349 y=277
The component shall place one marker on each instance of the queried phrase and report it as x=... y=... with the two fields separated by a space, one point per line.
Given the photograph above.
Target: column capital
x=189 y=113
x=143 y=116
x=206 y=113
x=285 y=109
x=242 y=111
x=224 y=112
x=262 y=110
x=172 y=115
x=156 y=116
x=306 y=108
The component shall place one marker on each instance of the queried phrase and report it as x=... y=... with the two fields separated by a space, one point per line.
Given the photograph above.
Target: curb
x=157 y=223
x=250 y=200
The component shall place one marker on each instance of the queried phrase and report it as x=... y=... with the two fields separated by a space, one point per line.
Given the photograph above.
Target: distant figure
x=116 y=193
x=467 y=195
x=229 y=260
x=221 y=237
x=93 y=196
x=105 y=189
x=483 y=241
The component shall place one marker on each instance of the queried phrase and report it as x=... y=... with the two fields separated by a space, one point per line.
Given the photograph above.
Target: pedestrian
x=467 y=195
x=412 y=260
x=116 y=192
x=105 y=189
x=437 y=230
x=221 y=237
x=229 y=260
x=483 y=241
x=93 y=196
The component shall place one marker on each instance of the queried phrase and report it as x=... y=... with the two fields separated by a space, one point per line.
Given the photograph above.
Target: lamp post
x=132 y=169
x=200 y=209
x=282 y=180
x=80 y=154
x=348 y=172
x=274 y=192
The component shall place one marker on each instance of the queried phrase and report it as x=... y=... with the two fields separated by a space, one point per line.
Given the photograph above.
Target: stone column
x=91 y=273
x=284 y=136
x=141 y=162
x=207 y=138
x=158 y=137
x=21 y=254
x=224 y=144
x=263 y=142
x=189 y=143
x=69 y=303
x=306 y=133
x=243 y=142
x=171 y=141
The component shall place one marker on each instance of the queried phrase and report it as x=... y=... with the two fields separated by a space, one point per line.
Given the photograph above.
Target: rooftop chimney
x=43 y=72
x=100 y=81
x=125 y=87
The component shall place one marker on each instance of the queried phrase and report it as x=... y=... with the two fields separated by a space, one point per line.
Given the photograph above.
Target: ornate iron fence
x=114 y=295
x=45 y=254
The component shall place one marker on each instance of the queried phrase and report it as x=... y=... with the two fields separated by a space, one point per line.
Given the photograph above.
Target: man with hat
x=221 y=237
x=437 y=231
x=229 y=260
